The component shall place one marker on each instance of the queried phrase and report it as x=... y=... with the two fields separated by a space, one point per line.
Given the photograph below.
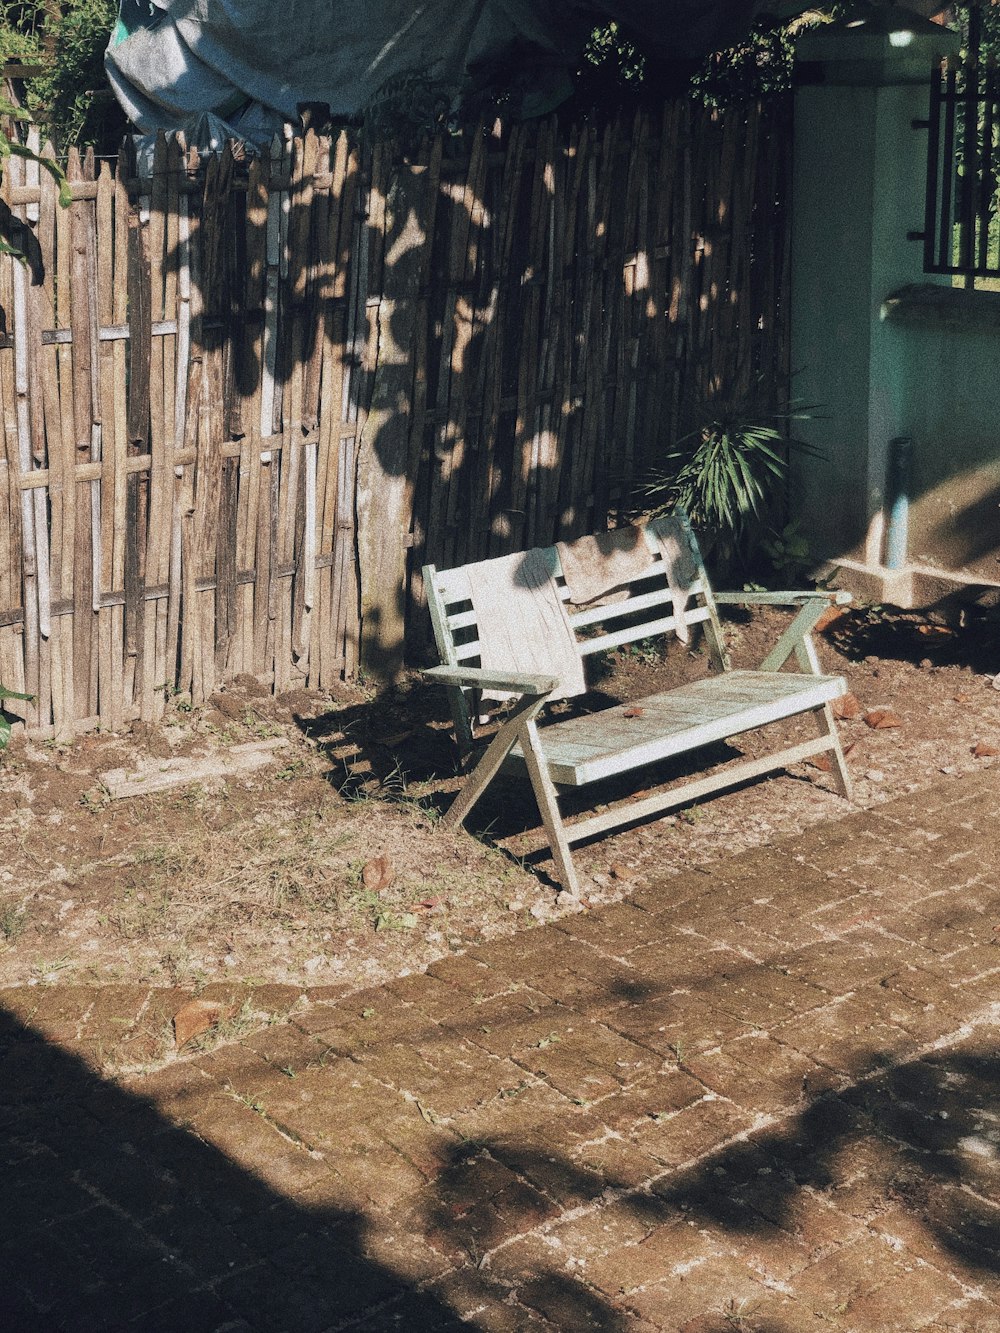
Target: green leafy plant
x=70 y=98
x=8 y=694
x=788 y=552
x=731 y=475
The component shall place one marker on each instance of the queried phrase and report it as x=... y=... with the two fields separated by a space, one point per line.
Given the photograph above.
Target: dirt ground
x=325 y=865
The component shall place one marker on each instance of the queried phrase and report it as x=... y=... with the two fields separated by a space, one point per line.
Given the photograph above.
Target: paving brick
x=684 y=1135
x=566 y=1302
x=685 y=1021
x=617 y=1162
x=651 y=1096
x=719 y=1289
x=755 y=1072
x=665 y=1254
x=910 y=1300
x=851 y=1273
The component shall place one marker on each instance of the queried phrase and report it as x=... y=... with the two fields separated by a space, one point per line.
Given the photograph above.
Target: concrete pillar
x=858 y=189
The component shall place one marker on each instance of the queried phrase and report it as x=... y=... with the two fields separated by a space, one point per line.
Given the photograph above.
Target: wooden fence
x=244 y=403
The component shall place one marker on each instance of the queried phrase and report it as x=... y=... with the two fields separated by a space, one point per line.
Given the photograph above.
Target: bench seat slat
x=598 y=745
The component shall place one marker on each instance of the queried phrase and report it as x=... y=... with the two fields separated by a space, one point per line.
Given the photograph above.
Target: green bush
x=731 y=475
x=71 y=100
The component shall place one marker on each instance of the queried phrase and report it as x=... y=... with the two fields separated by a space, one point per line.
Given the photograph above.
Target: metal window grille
x=961 y=233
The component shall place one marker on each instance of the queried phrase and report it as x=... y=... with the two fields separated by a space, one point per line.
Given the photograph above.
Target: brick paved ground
x=761 y=1097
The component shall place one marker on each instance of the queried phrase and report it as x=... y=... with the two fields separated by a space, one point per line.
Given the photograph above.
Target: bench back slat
x=596 y=627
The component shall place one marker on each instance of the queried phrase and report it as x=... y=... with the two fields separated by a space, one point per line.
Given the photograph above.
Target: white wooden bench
x=573 y=751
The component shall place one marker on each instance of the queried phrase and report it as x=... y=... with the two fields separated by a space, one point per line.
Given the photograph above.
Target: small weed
x=293 y=769
x=251 y=1103
x=645 y=652
x=550 y=1040
x=508 y=1094
x=95 y=799
x=180 y=699
x=13 y=921
x=736 y=1315
x=142 y=915
x=48 y=969
x=692 y=815
x=386 y=920
x=238 y=1025
x=259 y=726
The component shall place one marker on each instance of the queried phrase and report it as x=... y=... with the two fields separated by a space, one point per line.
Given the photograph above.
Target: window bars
x=961 y=233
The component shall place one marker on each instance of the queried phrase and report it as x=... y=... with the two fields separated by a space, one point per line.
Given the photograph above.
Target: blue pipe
x=898 y=501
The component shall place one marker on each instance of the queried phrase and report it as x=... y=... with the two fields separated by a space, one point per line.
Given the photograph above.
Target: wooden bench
x=573 y=751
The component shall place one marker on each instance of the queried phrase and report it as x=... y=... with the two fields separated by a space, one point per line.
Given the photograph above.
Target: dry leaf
x=824 y=762
x=619 y=871
x=881 y=719
x=983 y=751
x=195 y=1017
x=426 y=904
x=961 y=698
x=831 y=614
x=933 y=630
x=378 y=874
x=846 y=707
x=632 y=712
x=396 y=738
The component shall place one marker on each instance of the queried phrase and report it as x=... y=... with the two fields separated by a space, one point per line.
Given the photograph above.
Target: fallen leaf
x=426 y=904
x=633 y=712
x=825 y=764
x=396 y=738
x=846 y=707
x=378 y=874
x=619 y=871
x=984 y=751
x=934 y=630
x=195 y=1017
x=961 y=698
x=831 y=614
x=881 y=719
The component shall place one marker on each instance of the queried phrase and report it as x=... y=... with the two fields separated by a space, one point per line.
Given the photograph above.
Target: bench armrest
x=837 y=597
x=480 y=678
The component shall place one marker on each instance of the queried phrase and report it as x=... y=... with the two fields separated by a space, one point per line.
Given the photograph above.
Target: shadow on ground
x=114 y=1218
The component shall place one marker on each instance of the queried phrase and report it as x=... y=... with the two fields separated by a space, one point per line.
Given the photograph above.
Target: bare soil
x=327 y=864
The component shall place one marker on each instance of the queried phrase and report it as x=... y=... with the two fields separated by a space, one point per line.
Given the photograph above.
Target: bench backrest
x=647 y=610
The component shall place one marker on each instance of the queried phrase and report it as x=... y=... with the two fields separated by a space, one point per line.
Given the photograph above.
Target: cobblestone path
x=763 y=1096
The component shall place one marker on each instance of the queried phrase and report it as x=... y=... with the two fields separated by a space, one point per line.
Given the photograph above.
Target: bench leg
x=828 y=727
x=493 y=756
x=548 y=807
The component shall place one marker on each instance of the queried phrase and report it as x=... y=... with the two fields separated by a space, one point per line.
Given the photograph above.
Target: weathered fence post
x=385 y=467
